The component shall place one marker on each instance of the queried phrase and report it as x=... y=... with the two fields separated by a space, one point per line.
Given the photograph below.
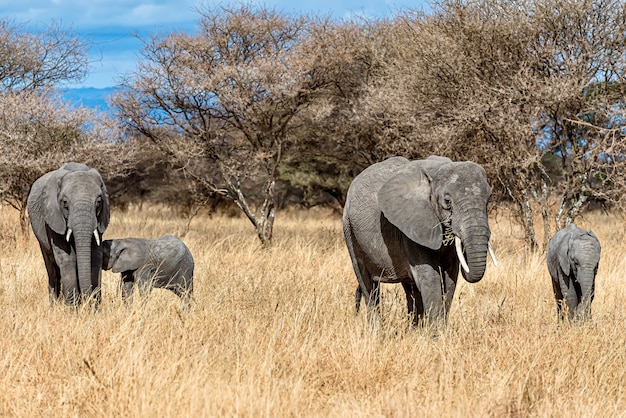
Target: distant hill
x=90 y=97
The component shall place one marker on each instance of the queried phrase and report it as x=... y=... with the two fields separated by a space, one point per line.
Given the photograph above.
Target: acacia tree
x=38 y=131
x=508 y=84
x=226 y=96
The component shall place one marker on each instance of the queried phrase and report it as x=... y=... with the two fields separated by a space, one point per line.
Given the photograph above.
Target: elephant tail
x=357 y=298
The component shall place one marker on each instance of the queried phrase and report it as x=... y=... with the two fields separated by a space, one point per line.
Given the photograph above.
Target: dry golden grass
x=273 y=333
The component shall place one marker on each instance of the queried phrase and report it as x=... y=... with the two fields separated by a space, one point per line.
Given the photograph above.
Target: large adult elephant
x=69 y=211
x=413 y=222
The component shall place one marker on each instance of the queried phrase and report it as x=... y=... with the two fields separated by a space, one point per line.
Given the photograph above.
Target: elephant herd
x=414 y=222
x=69 y=211
x=411 y=222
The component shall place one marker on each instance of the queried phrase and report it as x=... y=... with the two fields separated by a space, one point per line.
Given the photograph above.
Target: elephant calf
x=573 y=257
x=163 y=262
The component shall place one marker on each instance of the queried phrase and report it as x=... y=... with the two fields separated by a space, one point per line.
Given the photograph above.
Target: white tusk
x=95 y=234
x=459 y=253
x=68 y=235
x=492 y=254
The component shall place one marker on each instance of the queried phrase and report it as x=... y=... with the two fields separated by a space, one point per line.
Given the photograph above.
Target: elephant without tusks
x=69 y=211
x=413 y=222
x=163 y=262
x=573 y=257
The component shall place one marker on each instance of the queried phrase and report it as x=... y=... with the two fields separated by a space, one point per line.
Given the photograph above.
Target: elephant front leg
x=65 y=259
x=54 y=276
x=433 y=303
x=127 y=286
x=569 y=303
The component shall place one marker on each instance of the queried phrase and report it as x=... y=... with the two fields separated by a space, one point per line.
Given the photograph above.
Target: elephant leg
x=54 y=276
x=96 y=274
x=584 y=297
x=558 y=297
x=184 y=292
x=369 y=289
x=449 y=286
x=64 y=257
x=372 y=300
x=413 y=301
x=144 y=286
x=570 y=300
x=127 y=286
x=429 y=283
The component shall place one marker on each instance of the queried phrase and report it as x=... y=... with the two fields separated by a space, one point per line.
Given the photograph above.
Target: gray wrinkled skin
x=399 y=223
x=74 y=197
x=573 y=257
x=163 y=262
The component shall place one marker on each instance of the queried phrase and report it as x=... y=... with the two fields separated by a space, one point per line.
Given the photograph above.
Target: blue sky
x=110 y=25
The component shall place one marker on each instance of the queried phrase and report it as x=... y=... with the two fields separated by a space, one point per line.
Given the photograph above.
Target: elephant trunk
x=83 y=225
x=475 y=241
x=586 y=280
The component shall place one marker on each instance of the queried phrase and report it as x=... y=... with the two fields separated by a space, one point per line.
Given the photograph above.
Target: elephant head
x=122 y=255
x=75 y=204
x=578 y=254
x=437 y=202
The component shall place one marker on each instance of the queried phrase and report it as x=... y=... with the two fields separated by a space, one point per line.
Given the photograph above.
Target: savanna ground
x=273 y=333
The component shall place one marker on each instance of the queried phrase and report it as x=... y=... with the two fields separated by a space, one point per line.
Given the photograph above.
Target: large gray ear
x=563 y=253
x=405 y=201
x=564 y=259
x=50 y=201
x=126 y=255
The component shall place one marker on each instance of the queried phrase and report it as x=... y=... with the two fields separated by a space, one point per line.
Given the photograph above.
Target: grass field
x=272 y=333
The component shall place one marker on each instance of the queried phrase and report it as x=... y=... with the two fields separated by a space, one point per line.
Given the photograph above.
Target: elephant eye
x=98 y=205
x=447 y=202
x=65 y=205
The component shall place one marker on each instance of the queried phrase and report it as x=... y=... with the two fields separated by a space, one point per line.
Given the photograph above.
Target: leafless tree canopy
x=226 y=96
x=33 y=61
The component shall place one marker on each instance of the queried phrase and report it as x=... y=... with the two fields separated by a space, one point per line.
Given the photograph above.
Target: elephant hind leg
x=363 y=276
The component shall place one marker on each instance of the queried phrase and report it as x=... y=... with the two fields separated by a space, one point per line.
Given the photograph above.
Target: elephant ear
x=53 y=214
x=127 y=255
x=405 y=201
x=563 y=255
x=564 y=260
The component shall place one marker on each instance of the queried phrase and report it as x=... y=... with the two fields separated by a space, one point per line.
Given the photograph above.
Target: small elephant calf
x=163 y=262
x=573 y=257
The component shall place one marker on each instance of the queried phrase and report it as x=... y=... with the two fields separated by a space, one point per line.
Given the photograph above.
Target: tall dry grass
x=273 y=333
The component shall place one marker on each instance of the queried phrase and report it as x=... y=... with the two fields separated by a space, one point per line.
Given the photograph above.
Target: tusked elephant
x=413 y=222
x=163 y=262
x=69 y=211
x=573 y=257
